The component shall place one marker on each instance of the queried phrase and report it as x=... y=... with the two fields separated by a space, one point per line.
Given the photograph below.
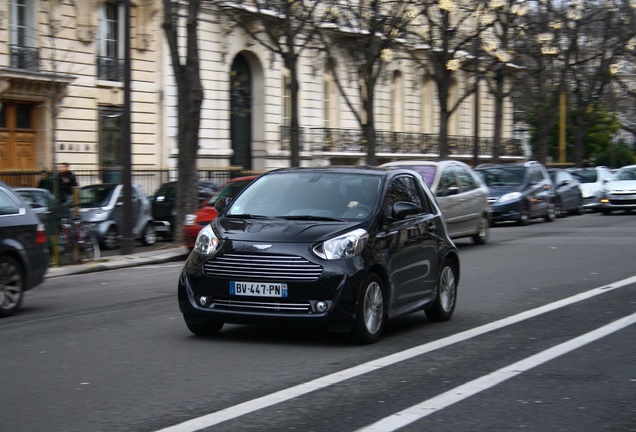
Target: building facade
x=62 y=96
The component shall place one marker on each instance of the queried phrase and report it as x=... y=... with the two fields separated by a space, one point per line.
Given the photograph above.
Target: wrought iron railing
x=353 y=141
x=110 y=68
x=26 y=58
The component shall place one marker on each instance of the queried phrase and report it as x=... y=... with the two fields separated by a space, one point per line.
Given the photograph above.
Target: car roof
x=423 y=162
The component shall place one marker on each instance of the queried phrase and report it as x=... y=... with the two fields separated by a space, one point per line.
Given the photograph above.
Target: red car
x=195 y=222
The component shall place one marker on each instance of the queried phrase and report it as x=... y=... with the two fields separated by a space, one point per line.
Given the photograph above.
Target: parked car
x=164 y=201
x=24 y=255
x=101 y=207
x=45 y=206
x=620 y=191
x=204 y=215
x=569 y=197
x=519 y=191
x=460 y=193
x=343 y=248
x=592 y=181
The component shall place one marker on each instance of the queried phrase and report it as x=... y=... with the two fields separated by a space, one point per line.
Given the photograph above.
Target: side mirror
x=221 y=204
x=402 y=209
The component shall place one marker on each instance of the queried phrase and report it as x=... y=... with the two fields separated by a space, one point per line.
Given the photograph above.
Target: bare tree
x=190 y=99
x=285 y=28
x=442 y=37
x=364 y=35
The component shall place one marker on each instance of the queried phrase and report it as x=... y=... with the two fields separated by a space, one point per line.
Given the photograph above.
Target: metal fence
x=148 y=179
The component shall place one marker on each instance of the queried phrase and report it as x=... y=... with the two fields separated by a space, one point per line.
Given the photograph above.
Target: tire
x=606 y=211
x=551 y=214
x=444 y=305
x=483 y=231
x=524 y=218
x=111 y=238
x=90 y=250
x=371 y=313
x=149 y=236
x=11 y=285
x=203 y=329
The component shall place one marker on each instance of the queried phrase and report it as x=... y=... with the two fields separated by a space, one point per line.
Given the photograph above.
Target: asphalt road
x=542 y=340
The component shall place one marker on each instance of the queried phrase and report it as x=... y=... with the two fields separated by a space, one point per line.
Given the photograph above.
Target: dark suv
x=165 y=199
x=519 y=192
x=24 y=254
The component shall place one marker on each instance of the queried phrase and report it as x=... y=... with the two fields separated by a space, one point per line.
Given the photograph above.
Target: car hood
x=280 y=230
x=498 y=191
x=622 y=186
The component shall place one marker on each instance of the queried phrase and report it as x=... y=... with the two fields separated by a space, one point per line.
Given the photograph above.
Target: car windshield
x=585 y=175
x=96 y=195
x=426 y=171
x=502 y=176
x=625 y=174
x=229 y=190
x=309 y=195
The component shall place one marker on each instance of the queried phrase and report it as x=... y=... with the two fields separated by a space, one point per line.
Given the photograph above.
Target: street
x=541 y=340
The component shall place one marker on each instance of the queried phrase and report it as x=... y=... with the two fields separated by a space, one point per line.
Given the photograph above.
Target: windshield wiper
x=311 y=217
x=247 y=216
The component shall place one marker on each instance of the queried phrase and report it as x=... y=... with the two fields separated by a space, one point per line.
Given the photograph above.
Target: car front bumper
x=206 y=296
x=508 y=211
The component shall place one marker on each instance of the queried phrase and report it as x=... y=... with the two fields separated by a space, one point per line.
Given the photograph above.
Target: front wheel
x=551 y=214
x=111 y=238
x=11 y=286
x=444 y=305
x=524 y=217
x=90 y=247
x=483 y=231
x=371 y=312
x=203 y=329
x=149 y=236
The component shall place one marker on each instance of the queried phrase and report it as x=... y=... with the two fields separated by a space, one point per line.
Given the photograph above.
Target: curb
x=120 y=261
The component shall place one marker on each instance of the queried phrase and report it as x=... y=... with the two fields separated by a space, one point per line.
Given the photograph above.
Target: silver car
x=101 y=207
x=593 y=180
x=460 y=193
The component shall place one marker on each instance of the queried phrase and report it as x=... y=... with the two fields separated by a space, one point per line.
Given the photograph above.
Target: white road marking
x=253 y=405
x=446 y=399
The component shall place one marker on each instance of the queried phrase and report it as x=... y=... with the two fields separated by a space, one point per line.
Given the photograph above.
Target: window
x=110 y=63
x=110 y=145
x=8 y=206
x=403 y=188
x=24 y=53
x=466 y=180
x=332 y=114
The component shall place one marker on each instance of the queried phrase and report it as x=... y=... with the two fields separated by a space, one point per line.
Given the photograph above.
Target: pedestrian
x=45 y=181
x=67 y=182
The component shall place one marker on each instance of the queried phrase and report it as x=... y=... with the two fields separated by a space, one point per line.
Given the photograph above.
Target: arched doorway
x=241 y=113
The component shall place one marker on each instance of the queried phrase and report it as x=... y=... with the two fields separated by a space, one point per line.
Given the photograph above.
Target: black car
x=569 y=197
x=164 y=201
x=343 y=248
x=519 y=191
x=24 y=255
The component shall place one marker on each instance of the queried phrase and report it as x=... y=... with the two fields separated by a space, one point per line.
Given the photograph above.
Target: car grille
x=264 y=267
x=261 y=306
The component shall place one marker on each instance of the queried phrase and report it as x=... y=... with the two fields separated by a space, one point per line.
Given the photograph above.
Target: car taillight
x=40 y=235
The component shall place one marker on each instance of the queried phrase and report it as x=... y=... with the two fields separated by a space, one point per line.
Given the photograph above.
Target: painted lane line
x=446 y=399
x=250 y=406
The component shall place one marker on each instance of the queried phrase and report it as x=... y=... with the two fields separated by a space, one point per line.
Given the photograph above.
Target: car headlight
x=344 y=246
x=190 y=219
x=509 y=197
x=207 y=242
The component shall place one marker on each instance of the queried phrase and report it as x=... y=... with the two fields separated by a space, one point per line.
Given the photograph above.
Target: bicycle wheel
x=89 y=247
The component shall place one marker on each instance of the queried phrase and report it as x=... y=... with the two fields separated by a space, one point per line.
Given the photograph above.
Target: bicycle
x=76 y=242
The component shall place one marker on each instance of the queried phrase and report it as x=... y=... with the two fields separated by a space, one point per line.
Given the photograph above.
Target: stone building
x=62 y=96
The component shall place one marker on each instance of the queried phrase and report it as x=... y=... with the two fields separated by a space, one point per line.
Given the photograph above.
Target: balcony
x=25 y=58
x=110 y=69
x=343 y=141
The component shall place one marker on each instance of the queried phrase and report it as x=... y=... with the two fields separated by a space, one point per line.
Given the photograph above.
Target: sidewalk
x=121 y=261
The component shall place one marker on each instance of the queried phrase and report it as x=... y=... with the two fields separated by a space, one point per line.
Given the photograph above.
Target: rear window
x=8 y=206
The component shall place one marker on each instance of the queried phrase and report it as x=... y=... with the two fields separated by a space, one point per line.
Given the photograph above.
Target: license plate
x=258 y=289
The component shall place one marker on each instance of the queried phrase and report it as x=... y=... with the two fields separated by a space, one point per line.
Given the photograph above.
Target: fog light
x=321 y=306
x=203 y=300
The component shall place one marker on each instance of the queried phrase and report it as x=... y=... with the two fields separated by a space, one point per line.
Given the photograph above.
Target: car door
x=449 y=200
x=474 y=200
x=412 y=253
